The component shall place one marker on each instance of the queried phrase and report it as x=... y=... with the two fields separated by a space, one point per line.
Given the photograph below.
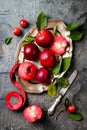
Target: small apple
x=31 y=51
x=27 y=70
x=23 y=23
x=59 y=46
x=71 y=108
x=44 y=38
x=43 y=75
x=17 y=31
x=47 y=58
x=33 y=113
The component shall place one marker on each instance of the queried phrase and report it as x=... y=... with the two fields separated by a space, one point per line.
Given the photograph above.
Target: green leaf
x=57 y=67
x=73 y=26
x=54 y=30
x=28 y=39
x=24 y=43
x=67 y=102
x=52 y=90
x=63 y=82
x=75 y=116
x=66 y=62
x=76 y=35
x=8 y=40
x=41 y=21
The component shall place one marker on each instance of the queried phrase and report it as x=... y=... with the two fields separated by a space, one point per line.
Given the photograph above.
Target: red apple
x=44 y=38
x=16 y=31
x=71 y=108
x=27 y=71
x=31 y=51
x=33 y=113
x=23 y=23
x=43 y=75
x=59 y=46
x=47 y=58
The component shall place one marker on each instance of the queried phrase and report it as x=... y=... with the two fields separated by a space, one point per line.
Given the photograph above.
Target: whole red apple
x=59 y=45
x=43 y=75
x=71 y=108
x=47 y=58
x=23 y=23
x=33 y=113
x=44 y=38
x=31 y=51
x=27 y=71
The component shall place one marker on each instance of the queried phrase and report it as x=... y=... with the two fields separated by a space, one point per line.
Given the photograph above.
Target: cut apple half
x=34 y=87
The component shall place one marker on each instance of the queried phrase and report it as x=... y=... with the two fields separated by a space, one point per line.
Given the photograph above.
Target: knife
x=62 y=93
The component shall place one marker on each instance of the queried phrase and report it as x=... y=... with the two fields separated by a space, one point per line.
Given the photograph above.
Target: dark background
x=11 y=11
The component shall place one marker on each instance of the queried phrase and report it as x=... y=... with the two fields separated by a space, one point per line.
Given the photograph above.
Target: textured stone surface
x=11 y=11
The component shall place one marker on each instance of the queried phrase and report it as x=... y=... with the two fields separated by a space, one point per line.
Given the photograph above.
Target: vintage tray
x=33 y=87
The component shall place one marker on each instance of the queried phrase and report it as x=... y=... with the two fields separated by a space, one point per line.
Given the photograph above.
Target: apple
x=44 y=38
x=31 y=51
x=47 y=58
x=17 y=31
x=43 y=75
x=71 y=108
x=33 y=113
x=23 y=23
x=59 y=45
x=27 y=70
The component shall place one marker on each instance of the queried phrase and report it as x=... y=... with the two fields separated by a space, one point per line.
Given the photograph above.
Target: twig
x=59 y=112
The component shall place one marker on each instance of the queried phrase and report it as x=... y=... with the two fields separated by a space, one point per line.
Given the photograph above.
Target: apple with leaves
x=71 y=108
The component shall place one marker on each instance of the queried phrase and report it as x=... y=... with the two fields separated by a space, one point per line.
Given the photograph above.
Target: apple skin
x=33 y=113
x=31 y=51
x=71 y=108
x=44 y=38
x=59 y=45
x=27 y=71
x=23 y=23
x=47 y=58
x=43 y=75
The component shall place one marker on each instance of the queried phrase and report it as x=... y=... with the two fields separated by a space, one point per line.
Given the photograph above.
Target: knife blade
x=62 y=93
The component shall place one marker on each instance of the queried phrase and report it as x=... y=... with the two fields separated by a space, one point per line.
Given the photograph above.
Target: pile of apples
x=53 y=46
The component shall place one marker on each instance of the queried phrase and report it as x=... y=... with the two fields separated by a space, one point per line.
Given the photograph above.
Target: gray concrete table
x=11 y=11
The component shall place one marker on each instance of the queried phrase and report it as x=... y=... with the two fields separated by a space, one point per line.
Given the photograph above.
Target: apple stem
x=59 y=112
